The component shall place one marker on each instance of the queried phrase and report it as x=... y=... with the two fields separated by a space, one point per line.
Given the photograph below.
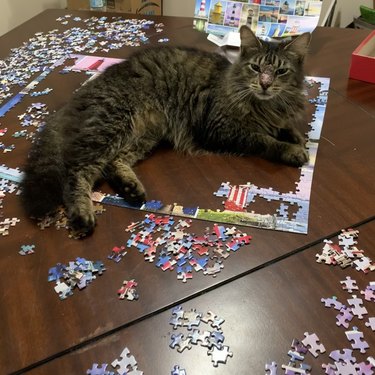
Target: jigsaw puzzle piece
x=311 y=341
x=357 y=309
x=357 y=340
x=96 y=370
x=349 y=284
x=191 y=318
x=178 y=371
x=271 y=368
x=125 y=363
x=219 y=355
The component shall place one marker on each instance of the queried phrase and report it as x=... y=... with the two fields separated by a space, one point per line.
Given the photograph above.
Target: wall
x=15 y=12
x=347 y=9
x=179 y=8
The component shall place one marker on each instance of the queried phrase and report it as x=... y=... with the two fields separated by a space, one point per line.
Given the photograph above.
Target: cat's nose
x=265 y=80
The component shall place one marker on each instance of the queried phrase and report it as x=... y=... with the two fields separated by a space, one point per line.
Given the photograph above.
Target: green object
x=367 y=14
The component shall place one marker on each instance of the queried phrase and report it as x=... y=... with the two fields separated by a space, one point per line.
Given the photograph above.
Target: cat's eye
x=281 y=71
x=255 y=67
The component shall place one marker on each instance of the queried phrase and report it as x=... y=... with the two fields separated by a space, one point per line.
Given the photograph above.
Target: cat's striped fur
x=193 y=99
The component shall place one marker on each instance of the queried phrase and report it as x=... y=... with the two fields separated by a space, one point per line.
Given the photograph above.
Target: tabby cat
x=193 y=99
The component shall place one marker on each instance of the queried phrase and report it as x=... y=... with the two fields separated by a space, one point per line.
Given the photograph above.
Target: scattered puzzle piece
x=126 y=363
x=311 y=341
x=128 y=290
x=27 y=249
x=371 y=323
x=271 y=368
x=178 y=371
x=349 y=284
x=357 y=309
x=219 y=355
x=357 y=340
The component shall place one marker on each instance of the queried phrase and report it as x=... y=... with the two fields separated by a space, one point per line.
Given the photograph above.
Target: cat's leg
x=120 y=174
x=257 y=143
x=77 y=198
x=125 y=182
x=294 y=154
x=291 y=135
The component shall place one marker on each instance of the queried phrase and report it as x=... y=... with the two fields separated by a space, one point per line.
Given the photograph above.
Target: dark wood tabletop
x=268 y=292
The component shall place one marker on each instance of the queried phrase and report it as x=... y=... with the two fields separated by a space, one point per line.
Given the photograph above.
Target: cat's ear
x=299 y=46
x=248 y=39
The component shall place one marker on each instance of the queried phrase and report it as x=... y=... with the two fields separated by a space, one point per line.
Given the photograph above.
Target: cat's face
x=268 y=69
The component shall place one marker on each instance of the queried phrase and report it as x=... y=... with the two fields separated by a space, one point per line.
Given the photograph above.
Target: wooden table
x=268 y=293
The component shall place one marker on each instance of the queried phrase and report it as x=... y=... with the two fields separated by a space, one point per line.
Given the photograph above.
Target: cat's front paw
x=295 y=155
x=134 y=193
x=82 y=222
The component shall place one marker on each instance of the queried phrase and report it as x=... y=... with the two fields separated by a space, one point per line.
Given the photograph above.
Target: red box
x=363 y=60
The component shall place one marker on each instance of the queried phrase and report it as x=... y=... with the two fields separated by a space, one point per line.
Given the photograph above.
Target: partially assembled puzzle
x=293 y=211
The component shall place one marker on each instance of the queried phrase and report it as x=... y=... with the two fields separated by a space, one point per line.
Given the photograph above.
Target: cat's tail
x=42 y=184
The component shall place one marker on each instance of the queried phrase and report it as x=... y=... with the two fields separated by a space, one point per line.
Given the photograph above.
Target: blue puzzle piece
x=56 y=272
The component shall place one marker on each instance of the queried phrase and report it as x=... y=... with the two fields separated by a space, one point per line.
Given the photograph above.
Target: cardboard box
x=152 y=8
x=363 y=60
x=122 y=6
x=78 y=4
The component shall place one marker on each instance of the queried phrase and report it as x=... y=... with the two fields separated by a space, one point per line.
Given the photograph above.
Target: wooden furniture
x=268 y=293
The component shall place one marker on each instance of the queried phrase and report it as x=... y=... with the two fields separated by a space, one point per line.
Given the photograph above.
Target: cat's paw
x=295 y=155
x=297 y=138
x=134 y=193
x=82 y=222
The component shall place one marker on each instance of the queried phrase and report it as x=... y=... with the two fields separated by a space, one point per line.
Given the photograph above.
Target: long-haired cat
x=193 y=99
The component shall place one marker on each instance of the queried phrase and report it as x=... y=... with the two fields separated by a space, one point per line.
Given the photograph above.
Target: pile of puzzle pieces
x=9 y=178
x=79 y=273
x=158 y=237
x=345 y=253
x=126 y=365
x=345 y=362
x=91 y=35
x=299 y=349
x=34 y=117
x=60 y=220
x=211 y=339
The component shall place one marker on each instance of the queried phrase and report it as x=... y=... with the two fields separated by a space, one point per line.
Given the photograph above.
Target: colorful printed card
x=267 y=18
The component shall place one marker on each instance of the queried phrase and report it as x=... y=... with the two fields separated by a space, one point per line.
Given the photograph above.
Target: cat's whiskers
x=240 y=96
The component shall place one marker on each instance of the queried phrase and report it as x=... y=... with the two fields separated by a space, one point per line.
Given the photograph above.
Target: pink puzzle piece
x=329 y=369
x=344 y=317
x=349 y=284
x=271 y=368
x=344 y=368
x=332 y=302
x=312 y=342
x=371 y=323
x=357 y=309
x=368 y=294
x=365 y=368
x=357 y=338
